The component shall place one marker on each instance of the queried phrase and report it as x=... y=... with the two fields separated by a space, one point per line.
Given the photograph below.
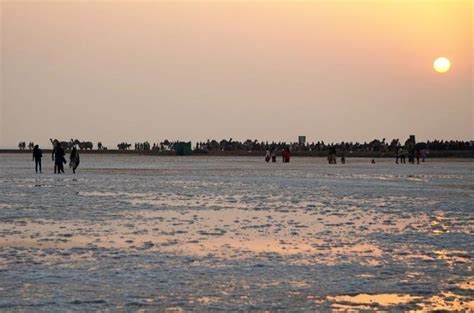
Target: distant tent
x=183 y=148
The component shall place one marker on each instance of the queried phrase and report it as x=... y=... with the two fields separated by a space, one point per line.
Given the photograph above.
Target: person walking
x=58 y=158
x=423 y=155
x=273 y=155
x=417 y=156
x=403 y=155
x=37 y=155
x=332 y=155
x=74 y=160
x=267 y=156
x=286 y=155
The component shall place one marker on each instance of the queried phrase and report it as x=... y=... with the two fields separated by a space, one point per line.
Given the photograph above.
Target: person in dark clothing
x=74 y=160
x=55 y=146
x=273 y=155
x=397 y=155
x=403 y=155
x=58 y=158
x=332 y=156
x=37 y=155
x=286 y=155
x=411 y=156
x=417 y=156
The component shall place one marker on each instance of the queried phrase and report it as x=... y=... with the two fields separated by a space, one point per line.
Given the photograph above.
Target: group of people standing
x=271 y=155
x=412 y=154
x=59 y=158
x=332 y=156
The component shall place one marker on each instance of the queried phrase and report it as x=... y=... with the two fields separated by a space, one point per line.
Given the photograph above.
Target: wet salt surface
x=140 y=232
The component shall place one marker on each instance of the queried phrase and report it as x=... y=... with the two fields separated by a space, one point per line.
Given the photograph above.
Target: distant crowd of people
x=412 y=155
x=58 y=157
x=410 y=150
x=255 y=145
x=271 y=154
x=165 y=145
x=147 y=146
x=375 y=145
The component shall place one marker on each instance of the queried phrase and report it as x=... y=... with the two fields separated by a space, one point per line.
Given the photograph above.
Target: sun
x=441 y=65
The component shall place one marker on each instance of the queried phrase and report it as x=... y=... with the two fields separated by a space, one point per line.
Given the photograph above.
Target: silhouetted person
x=74 y=160
x=403 y=155
x=373 y=161
x=332 y=156
x=411 y=156
x=286 y=155
x=58 y=158
x=397 y=156
x=423 y=155
x=37 y=155
x=273 y=155
x=267 y=156
x=417 y=155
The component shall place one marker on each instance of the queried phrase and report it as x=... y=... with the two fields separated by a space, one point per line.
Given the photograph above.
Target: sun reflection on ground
x=367 y=301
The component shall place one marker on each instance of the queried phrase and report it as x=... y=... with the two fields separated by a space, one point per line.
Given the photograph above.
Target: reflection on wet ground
x=133 y=233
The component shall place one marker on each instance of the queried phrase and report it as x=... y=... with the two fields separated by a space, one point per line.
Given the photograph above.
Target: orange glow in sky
x=330 y=70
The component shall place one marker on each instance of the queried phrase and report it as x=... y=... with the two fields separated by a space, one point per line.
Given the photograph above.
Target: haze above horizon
x=330 y=70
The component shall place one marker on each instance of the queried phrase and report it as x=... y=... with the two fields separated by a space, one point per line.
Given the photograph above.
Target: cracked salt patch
x=130 y=233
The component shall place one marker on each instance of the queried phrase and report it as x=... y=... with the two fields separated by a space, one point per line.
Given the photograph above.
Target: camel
x=68 y=145
x=124 y=146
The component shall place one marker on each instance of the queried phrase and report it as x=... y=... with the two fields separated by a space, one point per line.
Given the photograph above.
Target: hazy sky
x=331 y=70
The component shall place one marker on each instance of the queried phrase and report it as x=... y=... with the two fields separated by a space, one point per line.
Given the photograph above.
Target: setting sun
x=442 y=65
